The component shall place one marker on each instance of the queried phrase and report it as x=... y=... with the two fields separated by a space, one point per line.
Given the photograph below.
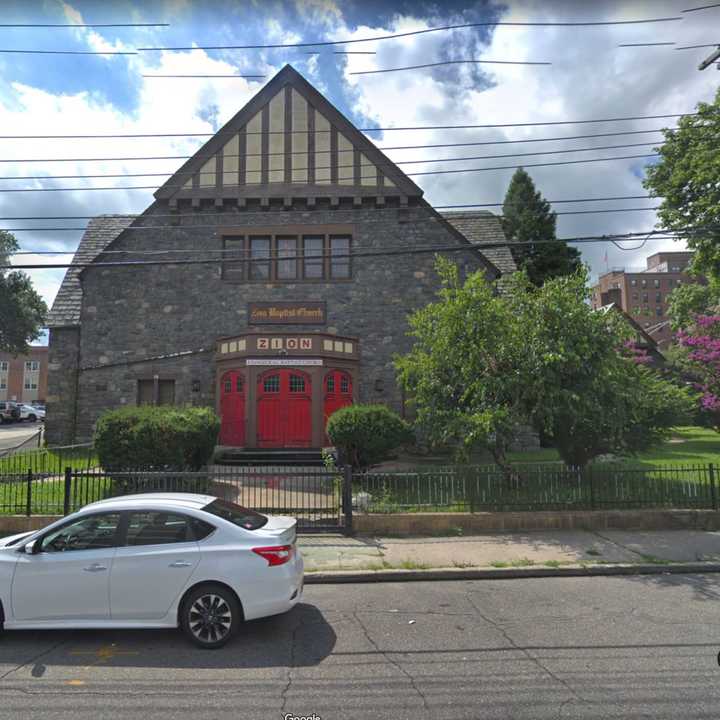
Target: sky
x=590 y=77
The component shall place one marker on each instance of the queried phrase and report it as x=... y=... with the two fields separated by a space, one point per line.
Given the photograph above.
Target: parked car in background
x=156 y=560
x=31 y=414
x=9 y=411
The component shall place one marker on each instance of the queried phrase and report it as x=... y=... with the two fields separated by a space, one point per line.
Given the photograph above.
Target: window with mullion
x=313 y=261
x=287 y=257
x=339 y=256
x=259 y=257
x=233 y=267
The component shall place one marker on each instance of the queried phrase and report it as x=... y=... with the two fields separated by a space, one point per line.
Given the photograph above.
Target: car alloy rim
x=210 y=618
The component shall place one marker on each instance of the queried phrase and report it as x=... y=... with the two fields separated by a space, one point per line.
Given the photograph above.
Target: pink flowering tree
x=632 y=350
x=702 y=345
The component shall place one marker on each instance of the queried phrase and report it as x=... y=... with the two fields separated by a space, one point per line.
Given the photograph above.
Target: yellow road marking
x=104 y=653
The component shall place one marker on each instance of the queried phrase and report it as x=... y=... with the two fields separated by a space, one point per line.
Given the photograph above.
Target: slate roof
x=100 y=232
x=481 y=226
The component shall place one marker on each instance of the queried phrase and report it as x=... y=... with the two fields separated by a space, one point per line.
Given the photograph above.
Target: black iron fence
x=540 y=487
x=317 y=497
x=325 y=499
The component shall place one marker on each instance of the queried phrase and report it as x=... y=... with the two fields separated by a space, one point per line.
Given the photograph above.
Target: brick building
x=300 y=317
x=23 y=378
x=643 y=295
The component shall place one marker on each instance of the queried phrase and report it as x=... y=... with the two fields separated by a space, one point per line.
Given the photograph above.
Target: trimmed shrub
x=365 y=434
x=156 y=438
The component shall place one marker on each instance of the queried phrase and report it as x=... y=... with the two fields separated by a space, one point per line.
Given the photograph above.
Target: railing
x=486 y=488
x=48 y=461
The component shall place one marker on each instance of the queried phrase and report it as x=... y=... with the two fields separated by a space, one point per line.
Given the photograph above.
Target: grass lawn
x=44 y=460
x=686 y=446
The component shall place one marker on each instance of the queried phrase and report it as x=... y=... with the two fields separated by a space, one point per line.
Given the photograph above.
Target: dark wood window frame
x=237 y=268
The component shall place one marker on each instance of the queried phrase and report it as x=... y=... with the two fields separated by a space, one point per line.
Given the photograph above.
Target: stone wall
x=132 y=313
x=63 y=356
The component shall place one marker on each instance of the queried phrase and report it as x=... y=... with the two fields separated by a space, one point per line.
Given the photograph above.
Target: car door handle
x=180 y=564
x=95 y=567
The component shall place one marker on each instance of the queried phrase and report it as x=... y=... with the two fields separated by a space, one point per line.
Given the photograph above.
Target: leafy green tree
x=527 y=218
x=484 y=363
x=23 y=310
x=691 y=299
x=687 y=178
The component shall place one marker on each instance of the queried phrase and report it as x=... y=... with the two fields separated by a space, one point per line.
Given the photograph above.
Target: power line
x=81 y=25
x=179 y=216
x=216 y=225
x=328 y=167
x=69 y=52
x=448 y=62
x=336 y=256
x=651 y=44
x=702 y=7
x=371 y=129
x=383 y=148
x=325 y=43
x=692 y=47
x=340 y=179
x=246 y=77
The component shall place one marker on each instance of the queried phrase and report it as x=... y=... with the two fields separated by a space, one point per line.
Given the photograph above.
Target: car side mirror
x=31 y=547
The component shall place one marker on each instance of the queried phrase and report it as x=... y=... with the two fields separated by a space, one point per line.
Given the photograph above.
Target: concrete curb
x=334 y=577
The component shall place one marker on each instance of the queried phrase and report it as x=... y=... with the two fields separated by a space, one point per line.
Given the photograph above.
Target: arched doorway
x=337 y=388
x=232 y=409
x=284 y=408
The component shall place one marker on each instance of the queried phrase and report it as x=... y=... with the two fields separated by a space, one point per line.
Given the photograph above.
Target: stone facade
x=115 y=327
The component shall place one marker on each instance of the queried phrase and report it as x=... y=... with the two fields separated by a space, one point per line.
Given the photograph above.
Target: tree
x=689 y=300
x=687 y=178
x=23 y=310
x=701 y=358
x=527 y=218
x=482 y=364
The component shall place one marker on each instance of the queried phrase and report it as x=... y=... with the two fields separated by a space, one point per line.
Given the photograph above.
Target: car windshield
x=236 y=514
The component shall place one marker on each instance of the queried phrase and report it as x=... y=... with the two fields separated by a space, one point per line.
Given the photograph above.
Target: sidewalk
x=552 y=549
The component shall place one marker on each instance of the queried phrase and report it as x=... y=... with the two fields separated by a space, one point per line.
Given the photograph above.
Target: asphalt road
x=626 y=647
x=12 y=434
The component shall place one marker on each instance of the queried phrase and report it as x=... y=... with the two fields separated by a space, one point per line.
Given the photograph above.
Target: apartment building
x=644 y=294
x=23 y=378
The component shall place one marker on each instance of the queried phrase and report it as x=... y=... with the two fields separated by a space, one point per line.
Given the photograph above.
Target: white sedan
x=152 y=561
x=31 y=414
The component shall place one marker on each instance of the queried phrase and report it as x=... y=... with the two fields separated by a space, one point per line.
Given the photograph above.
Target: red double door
x=338 y=394
x=284 y=409
x=232 y=409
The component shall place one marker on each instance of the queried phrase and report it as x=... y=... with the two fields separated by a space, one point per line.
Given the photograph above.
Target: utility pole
x=713 y=57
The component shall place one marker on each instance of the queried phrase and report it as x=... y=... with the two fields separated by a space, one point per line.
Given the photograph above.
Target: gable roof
x=100 y=232
x=273 y=146
x=481 y=226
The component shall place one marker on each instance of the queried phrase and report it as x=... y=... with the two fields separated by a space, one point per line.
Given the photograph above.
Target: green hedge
x=365 y=434
x=156 y=438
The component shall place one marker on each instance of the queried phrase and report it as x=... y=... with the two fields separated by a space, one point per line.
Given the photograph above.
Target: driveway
x=12 y=434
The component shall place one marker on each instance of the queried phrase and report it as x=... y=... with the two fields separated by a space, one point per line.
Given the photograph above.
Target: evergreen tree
x=527 y=218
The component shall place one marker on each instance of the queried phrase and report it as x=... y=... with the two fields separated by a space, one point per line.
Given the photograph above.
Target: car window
x=92 y=532
x=201 y=529
x=156 y=527
x=236 y=514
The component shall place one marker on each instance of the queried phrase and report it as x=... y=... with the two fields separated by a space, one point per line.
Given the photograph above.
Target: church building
x=298 y=250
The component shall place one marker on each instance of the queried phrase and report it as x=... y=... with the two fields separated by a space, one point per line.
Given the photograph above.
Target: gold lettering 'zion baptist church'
x=287 y=313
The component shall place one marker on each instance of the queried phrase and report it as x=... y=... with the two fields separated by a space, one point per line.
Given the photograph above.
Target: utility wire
x=448 y=62
x=216 y=225
x=81 y=25
x=371 y=129
x=328 y=167
x=383 y=148
x=651 y=44
x=692 y=47
x=179 y=216
x=702 y=7
x=246 y=77
x=325 y=43
x=335 y=256
x=340 y=179
x=69 y=52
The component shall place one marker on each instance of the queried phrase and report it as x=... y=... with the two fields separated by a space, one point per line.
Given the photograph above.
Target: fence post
x=68 y=487
x=713 y=489
x=347 y=499
x=28 y=494
x=588 y=470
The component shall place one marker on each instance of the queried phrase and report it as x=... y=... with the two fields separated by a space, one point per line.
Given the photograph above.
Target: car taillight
x=275 y=555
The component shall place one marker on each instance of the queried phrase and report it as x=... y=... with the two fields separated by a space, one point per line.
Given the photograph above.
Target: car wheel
x=210 y=616
x=31 y=418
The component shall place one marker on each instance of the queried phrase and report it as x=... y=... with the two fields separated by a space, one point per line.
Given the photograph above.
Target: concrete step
x=259 y=457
